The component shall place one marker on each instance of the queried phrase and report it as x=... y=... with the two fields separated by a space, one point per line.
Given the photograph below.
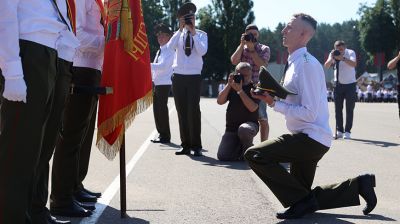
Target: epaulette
x=306 y=58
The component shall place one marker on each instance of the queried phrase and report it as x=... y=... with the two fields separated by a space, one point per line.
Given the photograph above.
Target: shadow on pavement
x=209 y=161
x=112 y=215
x=336 y=219
x=169 y=146
x=377 y=143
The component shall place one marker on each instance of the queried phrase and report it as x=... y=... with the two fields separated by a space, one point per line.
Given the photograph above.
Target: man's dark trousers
x=345 y=92
x=186 y=89
x=303 y=154
x=77 y=117
x=22 y=126
x=160 y=110
x=51 y=133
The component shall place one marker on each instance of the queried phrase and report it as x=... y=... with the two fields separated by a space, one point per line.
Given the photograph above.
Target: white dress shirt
x=90 y=32
x=161 y=68
x=347 y=73
x=192 y=64
x=67 y=43
x=307 y=112
x=34 y=20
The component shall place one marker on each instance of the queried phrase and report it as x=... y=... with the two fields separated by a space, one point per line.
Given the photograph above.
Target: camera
x=250 y=37
x=336 y=53
x=237 y=78
x=188 y=19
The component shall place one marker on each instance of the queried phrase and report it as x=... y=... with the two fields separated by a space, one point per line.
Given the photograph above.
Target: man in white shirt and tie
x=161 y=70
x=190 y=45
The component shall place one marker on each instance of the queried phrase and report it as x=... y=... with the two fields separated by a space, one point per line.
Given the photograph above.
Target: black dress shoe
x=96 y=194
x=82 y=196
x=183 y=151
x=53 y=220
x=161 y=140
x=71 y=210
x=91 y=207
x=366 y=184
x=305 y=206
x=197 y=152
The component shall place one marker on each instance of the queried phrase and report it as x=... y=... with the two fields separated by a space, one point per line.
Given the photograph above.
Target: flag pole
x=122 y=178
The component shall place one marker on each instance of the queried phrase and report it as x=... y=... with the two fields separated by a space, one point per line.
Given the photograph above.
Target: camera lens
x=336 y=53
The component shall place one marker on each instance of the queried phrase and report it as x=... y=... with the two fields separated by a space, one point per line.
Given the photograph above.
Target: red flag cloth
x=126 y=69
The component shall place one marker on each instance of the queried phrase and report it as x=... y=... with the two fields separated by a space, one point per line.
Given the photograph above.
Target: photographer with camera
x=344 y=62
x=241 y=114
x=256 y=54
x=392 y=64
x=190 y=45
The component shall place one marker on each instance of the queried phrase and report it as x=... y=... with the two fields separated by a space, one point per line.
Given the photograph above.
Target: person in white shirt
x=161 y=70
x=190 y=45
x=66 y=45
x=344 y=61
x=29 y=31
x=307 y=118
x=72 y=153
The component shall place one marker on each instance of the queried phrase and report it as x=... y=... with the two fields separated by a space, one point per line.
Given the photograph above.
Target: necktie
x=157 y=56
x=188 y=49
x=337 y=71
x=284 y=72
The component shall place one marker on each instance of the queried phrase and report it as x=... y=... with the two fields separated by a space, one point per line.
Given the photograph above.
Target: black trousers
x=341 y=93
x=303 y=154
x=51 y=133
x=186 y=89
x=160 y=110
x=76 y=122
x=22 y=130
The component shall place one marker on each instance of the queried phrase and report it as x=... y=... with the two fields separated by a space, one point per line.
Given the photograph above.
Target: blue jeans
x=345 y=92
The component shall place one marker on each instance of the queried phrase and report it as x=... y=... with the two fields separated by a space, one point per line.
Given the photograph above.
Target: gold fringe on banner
x=125 y=117
x=126 y=33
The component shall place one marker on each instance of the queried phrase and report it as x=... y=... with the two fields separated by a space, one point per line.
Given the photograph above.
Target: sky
x=269 y=13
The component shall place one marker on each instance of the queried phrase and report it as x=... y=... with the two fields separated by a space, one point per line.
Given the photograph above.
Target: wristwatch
x=344 y=59
x=238 y=92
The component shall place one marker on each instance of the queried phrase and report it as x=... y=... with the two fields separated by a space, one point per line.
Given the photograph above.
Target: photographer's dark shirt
x=237 y=113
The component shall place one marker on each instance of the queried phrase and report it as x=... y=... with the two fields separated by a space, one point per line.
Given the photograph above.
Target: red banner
x=127 y=70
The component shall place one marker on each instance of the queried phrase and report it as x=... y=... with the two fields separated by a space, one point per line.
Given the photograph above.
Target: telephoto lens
x=336 y=53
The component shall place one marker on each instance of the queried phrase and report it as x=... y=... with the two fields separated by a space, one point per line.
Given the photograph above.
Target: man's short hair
x=242 y=65
x=339 y=43
x=251 y=27
x=308 y=19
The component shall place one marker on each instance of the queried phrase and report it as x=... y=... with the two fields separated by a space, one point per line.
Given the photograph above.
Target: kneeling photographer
x=241 y=114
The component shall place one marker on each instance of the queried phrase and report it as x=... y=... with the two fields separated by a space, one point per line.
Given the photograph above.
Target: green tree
x=395 y=11
x=153 y=14
x=377 y=30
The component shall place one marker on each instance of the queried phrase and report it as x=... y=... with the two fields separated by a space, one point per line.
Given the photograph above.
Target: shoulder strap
x=60 y=15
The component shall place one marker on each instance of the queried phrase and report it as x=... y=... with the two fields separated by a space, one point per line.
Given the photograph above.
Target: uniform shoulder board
x=306 y=57
x=200 y=31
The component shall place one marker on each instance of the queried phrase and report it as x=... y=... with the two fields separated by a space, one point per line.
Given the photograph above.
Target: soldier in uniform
x=190 y=45
x=28 y=58
x=307 y=119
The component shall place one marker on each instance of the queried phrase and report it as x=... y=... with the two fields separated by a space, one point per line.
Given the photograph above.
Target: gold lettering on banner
x=139 y=43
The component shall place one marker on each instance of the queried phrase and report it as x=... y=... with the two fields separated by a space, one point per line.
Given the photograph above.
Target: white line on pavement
x=113 y=188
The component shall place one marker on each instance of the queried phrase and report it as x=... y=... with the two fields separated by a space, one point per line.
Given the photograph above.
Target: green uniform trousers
x=51 y=134
x=70 y=156
x=303 y=154
x=22 y=130
x=160 y=110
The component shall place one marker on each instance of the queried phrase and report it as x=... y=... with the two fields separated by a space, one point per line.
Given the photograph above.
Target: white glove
x=15 y=89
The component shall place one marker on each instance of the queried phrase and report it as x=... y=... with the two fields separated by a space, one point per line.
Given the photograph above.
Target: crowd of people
x=38 y=105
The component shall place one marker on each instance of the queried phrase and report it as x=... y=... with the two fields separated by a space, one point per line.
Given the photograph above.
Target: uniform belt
x=94 y=90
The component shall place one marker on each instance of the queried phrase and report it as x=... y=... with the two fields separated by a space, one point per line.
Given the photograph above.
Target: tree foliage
x=378 y=30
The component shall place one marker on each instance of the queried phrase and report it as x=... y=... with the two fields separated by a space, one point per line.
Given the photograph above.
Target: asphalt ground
x=168 y=189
